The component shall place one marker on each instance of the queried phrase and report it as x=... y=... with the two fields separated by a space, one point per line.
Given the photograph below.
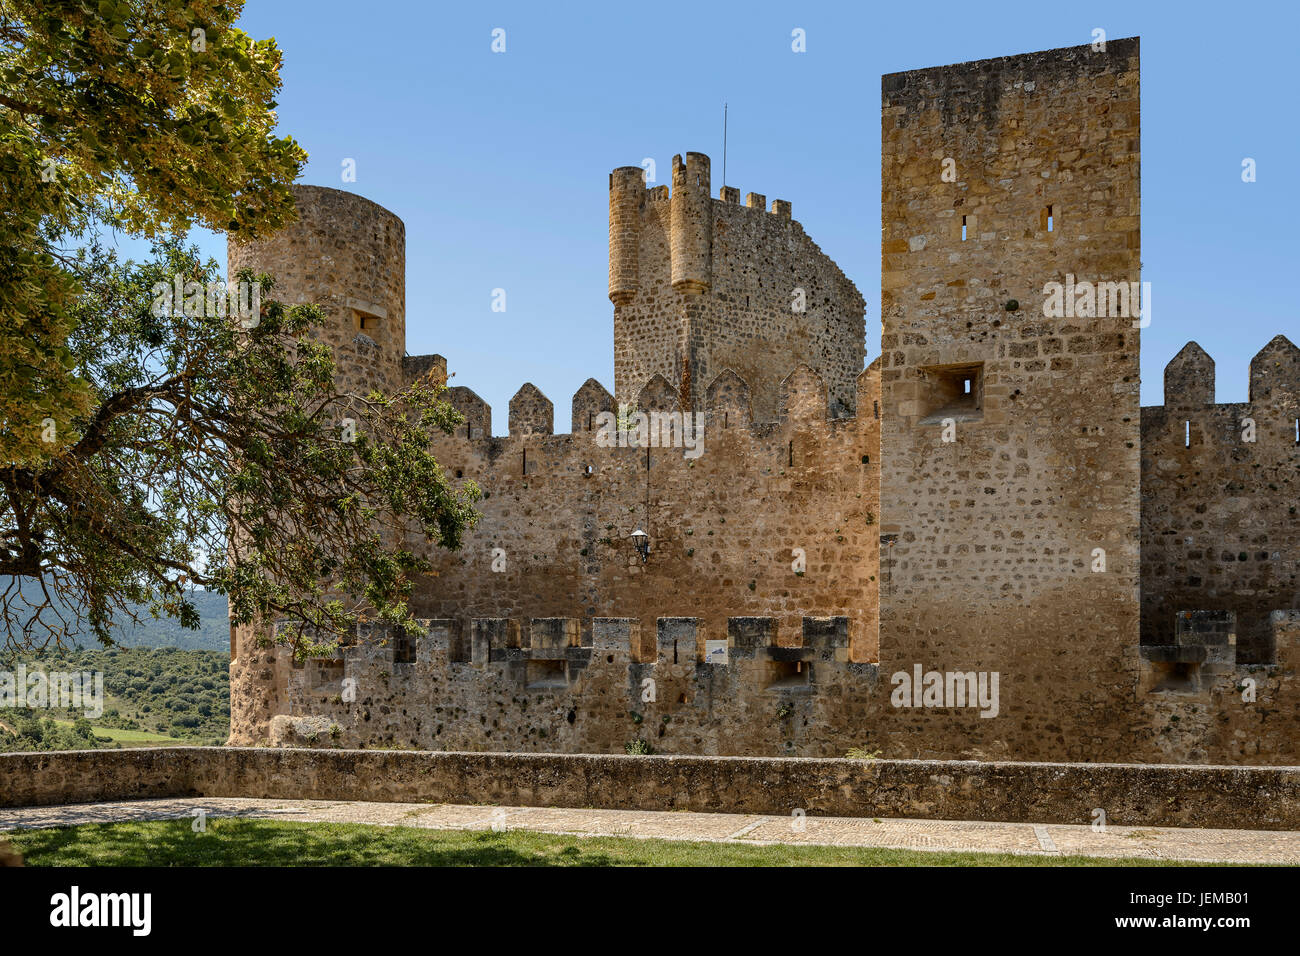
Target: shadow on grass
x=228 y=842
x=243 y=842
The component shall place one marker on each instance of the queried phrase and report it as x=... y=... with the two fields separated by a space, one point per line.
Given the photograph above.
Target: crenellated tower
x=986 y=499
x=701 y=286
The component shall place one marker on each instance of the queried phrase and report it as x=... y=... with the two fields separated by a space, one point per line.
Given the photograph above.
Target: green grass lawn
x=236 y=842
x=132 y=738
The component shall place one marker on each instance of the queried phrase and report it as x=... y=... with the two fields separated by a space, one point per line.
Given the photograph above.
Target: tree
x=140 y=443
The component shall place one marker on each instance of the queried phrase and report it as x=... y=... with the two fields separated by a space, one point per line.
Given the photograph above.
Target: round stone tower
x=626 y=186
x=347 y=255
x=692 y=225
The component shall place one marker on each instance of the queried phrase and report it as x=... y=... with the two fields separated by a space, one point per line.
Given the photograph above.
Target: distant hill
x=213 y=633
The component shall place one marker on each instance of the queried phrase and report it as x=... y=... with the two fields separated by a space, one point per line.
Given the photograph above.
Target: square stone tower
x=701 y=286
x=1010 y=416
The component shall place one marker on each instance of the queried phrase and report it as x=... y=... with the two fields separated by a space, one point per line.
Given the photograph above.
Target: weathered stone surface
x=1055 y=541
x=1248 y=798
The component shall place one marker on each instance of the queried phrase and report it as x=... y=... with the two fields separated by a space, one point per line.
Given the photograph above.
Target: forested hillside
x=152 y=696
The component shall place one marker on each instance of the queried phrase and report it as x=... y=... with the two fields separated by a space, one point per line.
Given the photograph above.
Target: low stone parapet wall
x=1251 y=798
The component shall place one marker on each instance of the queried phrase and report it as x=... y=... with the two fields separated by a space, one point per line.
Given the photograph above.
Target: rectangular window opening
x=952 y=391
x=1050 y=224
x=403 y=647
x=1187 y=434
x=787 y=675
x=963 y=228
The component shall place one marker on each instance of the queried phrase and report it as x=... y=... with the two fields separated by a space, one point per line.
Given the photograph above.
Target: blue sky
x=498 y=163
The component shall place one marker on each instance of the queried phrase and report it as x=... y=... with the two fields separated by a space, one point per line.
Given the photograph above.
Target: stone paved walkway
x=1229 y=846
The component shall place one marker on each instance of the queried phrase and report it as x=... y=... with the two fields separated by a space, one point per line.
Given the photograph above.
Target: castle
x=980 y=545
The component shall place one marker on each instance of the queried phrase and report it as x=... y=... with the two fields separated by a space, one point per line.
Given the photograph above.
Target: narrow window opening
x=1050 y=223
x=952 y=391
x=963 y=228
x=783 y=675
x=791 y=453
x=1297 y=431
x=1187 y=434
x=647 y=459
x=875 y=409
x=725 y=416
x=589 y=419
x=525 y=469
x=403 y=647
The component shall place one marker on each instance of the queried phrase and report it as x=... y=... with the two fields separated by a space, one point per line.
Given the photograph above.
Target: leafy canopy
x=146 y=449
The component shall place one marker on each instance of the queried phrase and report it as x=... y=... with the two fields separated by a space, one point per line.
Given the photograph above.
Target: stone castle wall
x=1221 y=498
x=347 y=255
x=1045 y=542
x=728 y=521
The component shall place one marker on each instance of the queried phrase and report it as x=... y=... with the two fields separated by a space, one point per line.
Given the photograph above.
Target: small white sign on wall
x=715 y=652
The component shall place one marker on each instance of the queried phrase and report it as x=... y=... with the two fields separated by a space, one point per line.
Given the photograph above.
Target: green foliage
x=117 y=112
x=147 y=448
x=638 y=748
x=176 y=694
x=213 y=439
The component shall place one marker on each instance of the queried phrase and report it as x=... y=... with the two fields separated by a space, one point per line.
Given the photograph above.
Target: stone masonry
x=985 y=499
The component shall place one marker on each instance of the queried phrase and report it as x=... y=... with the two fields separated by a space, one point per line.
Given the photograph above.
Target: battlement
x=690 y=215
x=728 y=550
x=701 y=284
x=1220 y=482
x=671 y=640
x=726 y=404
x=1274 y=377
x=730 y=195
x=633 y=178
x=680 y=683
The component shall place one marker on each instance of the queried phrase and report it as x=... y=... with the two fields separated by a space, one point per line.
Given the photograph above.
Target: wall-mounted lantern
x=641 y=541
